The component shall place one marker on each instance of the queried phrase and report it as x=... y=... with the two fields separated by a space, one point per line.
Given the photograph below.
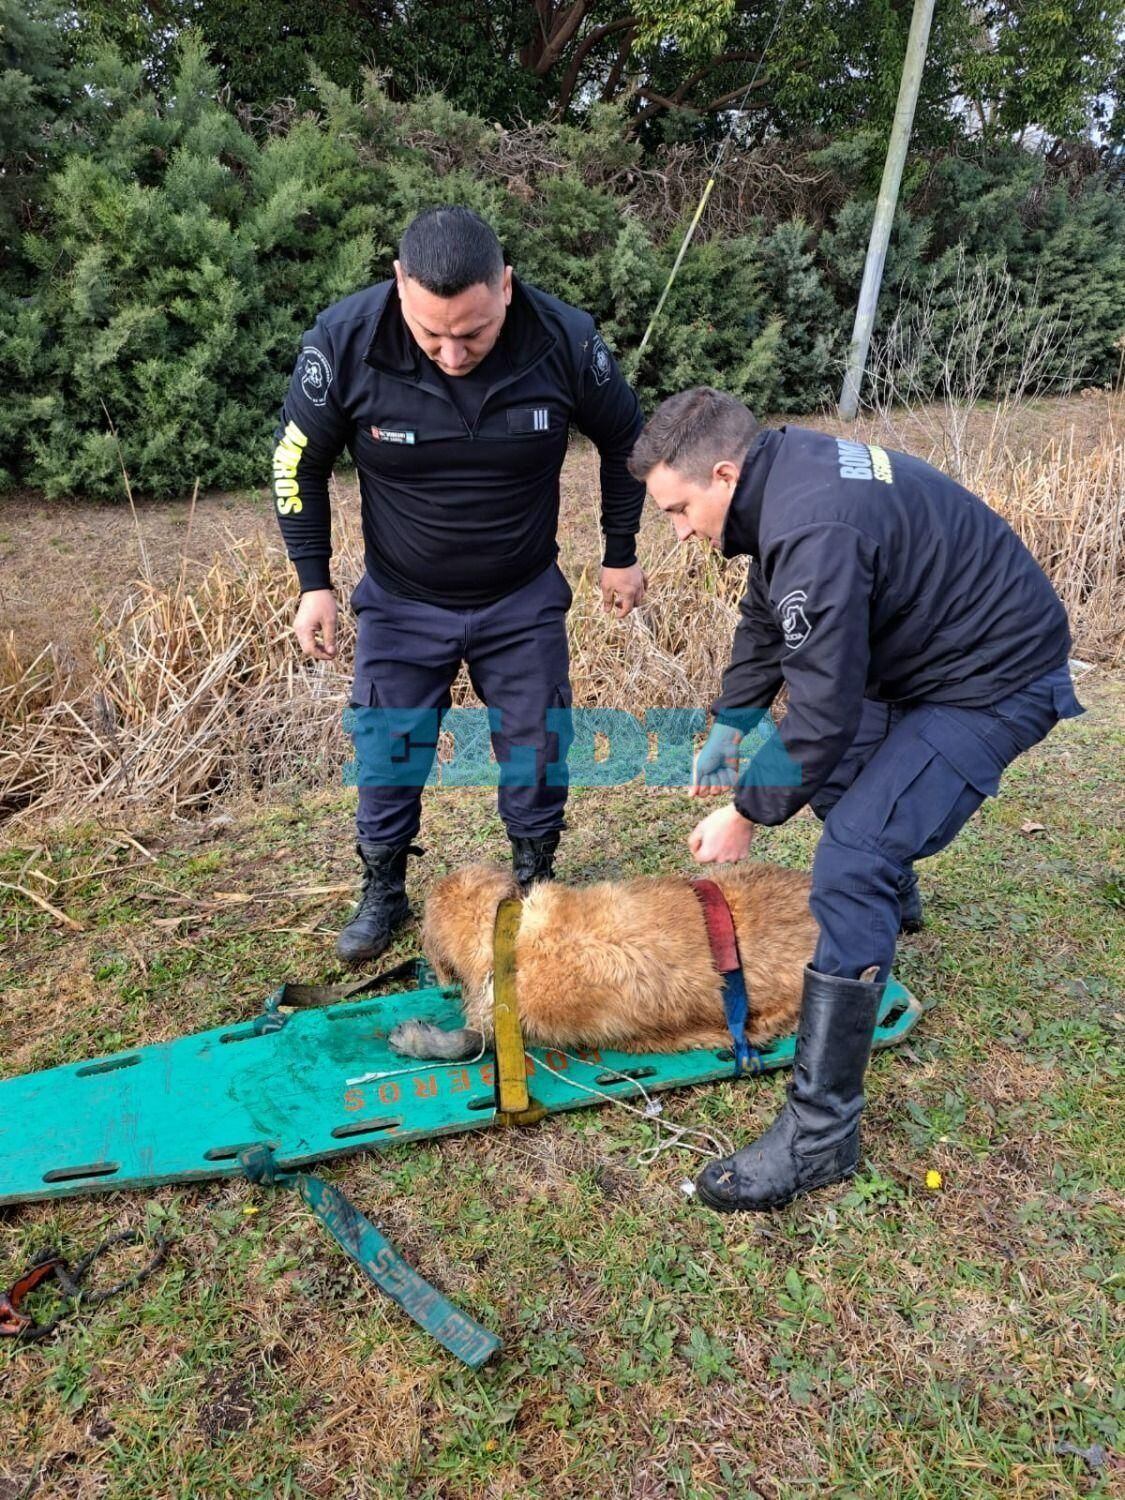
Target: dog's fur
x=621 y=964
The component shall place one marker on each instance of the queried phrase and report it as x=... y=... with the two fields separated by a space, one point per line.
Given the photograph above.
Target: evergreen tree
x=167 y=255
x=184 y=259
x=42 y=110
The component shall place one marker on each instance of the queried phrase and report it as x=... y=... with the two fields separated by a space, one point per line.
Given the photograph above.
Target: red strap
x=12 y=1320
x=720 y=925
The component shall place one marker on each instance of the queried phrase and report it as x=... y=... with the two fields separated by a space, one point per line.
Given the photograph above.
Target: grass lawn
x=883 y=1339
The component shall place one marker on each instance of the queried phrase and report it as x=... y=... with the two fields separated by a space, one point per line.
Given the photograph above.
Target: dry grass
x=1069 y=509
x=195 y=689
x=1066 y=502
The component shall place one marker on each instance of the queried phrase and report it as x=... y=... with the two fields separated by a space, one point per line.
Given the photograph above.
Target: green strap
x=304 y=996
x=287 y=997
x=378 y=1259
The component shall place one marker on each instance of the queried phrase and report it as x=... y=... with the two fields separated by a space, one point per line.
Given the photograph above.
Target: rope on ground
x=716 y=1143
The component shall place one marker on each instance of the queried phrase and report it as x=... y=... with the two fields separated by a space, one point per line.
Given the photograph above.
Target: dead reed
x=198 y=690
x=1068 y=507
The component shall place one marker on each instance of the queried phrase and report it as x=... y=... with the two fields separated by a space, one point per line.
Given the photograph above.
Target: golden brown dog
x=621 y=964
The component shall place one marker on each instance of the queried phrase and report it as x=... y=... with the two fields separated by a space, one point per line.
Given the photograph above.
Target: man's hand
x=623 y=589
x=716 y=765
x=722 y=837
x=316 y=615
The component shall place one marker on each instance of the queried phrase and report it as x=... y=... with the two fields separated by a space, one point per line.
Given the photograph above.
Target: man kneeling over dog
x=923 y=649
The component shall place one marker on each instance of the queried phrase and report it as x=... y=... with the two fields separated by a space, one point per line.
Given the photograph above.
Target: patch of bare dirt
x=229 y=1409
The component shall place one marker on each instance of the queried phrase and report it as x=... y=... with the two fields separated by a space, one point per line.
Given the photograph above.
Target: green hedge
x=150 y=314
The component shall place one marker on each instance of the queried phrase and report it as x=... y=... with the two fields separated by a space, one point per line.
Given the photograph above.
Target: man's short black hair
x=692 y=432
x=449 y=249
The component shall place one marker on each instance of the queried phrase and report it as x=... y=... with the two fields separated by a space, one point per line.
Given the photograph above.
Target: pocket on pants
x=923 y=807
x=560 y=736
x=979 y=762
x=1030 y=713
x=914 y=794
x=1066 y=701
x=364 y=693
x=363 y=595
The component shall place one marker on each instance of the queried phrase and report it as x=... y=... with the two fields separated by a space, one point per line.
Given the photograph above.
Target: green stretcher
x=263 y=1098
x=308 y=1085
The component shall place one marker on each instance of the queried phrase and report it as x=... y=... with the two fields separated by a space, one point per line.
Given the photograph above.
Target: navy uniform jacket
x=872 y=575
x=453 y=513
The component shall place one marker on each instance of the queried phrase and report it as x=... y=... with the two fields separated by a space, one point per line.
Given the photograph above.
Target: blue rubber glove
x=716 y=766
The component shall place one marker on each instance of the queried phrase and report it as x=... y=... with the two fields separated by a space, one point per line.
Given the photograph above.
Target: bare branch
x=582 y=51
x=560 y=36
x=661 y=101
x=613 y=81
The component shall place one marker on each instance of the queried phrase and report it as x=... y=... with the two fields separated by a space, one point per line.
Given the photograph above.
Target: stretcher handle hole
x=110 y=1065
x=366 y=1127
x=74 y=1174
x=349 y=1012
x=623 y=1075
x=228 y=1153
x=893 y=1016
x=483 y=1101
x=241 y=1036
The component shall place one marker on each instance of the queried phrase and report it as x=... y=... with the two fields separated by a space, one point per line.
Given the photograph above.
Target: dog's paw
x=420 y=1039
x=415 y=1039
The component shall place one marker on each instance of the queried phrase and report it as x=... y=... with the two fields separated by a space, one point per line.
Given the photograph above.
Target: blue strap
x=378 y=1259
x=736 y=1004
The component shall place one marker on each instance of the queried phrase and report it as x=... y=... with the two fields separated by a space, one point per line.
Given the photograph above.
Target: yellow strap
x=511 y=1071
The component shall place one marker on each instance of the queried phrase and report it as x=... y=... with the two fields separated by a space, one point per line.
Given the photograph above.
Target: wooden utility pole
x=913 y=64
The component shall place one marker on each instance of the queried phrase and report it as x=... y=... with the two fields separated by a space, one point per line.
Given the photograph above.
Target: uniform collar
x=525 y=337
x=740 y=530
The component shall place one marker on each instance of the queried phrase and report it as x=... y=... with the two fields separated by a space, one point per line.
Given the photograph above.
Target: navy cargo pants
x=408 y=654
x=912 y=779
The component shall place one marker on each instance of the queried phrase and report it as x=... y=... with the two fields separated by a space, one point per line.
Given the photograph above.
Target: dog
x=624 y=965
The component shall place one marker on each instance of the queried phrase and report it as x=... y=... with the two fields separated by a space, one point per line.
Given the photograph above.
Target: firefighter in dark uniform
x=453 y=386
x=923 y=649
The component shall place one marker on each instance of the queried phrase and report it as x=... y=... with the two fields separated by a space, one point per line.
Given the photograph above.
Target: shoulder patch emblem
x=315 y=374
x=794 y=622
x=601 y=363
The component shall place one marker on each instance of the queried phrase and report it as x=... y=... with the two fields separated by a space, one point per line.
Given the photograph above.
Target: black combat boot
x=382 y=902
x=815 y=1138
x=533 y=859
x=910 y=904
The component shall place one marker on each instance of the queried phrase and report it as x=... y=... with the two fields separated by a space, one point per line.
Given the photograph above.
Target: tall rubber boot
x=533 y=859
x=382 y=903
x=815 y=1139
x=910 y=904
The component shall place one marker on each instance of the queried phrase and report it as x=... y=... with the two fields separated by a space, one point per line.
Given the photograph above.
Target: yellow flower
x=933 y=1180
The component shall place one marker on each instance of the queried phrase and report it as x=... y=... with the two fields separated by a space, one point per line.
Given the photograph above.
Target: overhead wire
x=709 y=186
